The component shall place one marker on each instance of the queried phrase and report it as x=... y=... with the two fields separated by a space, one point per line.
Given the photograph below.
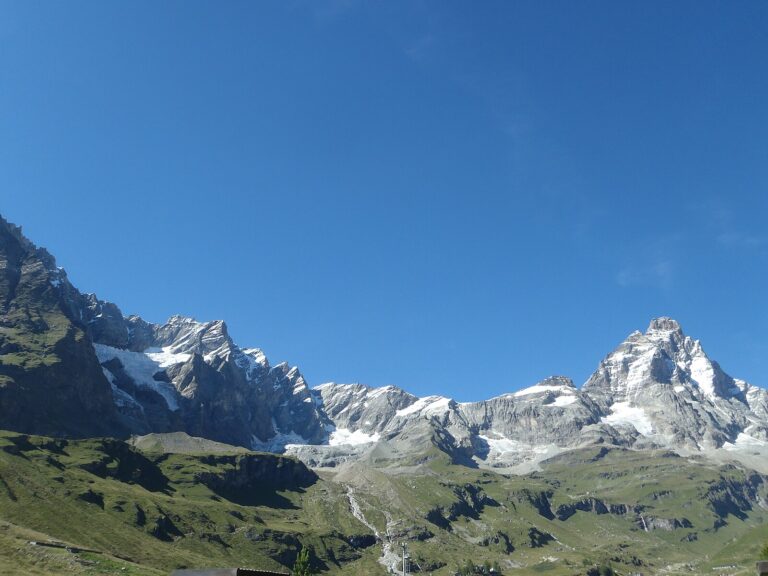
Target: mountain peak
x=557 y=381
x=664 y=324
x=15 y=231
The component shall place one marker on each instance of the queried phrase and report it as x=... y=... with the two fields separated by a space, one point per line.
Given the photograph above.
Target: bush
x=301 y=567
x=469 y=568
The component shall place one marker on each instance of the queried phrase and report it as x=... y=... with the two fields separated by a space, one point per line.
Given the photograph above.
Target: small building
x=228 y=572
x=762 y=569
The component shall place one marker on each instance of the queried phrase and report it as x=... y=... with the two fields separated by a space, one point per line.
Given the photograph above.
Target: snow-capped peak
x=187 y=335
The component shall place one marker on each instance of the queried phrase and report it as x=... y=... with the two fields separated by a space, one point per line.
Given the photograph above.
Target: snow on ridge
x=299 y=387
x=256 y=354
x=539 y=388
x=376 y=392
x=326 y=385
x=428 y=405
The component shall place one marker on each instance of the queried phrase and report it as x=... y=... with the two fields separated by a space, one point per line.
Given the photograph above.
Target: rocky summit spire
x=664 y=324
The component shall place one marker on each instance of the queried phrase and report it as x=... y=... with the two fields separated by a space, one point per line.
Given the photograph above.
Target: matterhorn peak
x=664 y=324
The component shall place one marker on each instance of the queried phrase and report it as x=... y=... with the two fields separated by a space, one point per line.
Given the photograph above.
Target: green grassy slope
x=646 y=512
x=149 y=512
x=154 y=510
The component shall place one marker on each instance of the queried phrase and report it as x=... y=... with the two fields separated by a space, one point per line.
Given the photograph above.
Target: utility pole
x=405 y=558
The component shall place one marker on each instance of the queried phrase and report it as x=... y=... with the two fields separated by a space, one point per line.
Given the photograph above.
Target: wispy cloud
x=723 y=225
x=419 y=49
x=739 y=239
x=659 y=274
x=328 y=11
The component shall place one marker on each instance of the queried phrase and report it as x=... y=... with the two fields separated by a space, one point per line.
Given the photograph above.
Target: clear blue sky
x=459 y=198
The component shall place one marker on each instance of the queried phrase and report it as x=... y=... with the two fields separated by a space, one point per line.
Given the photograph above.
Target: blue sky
x=458 y=198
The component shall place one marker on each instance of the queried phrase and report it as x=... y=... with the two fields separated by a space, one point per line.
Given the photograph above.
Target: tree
x=301 y=567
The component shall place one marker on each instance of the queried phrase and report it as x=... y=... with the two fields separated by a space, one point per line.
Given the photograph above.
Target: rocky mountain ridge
x=658 y=389
x=74 y=365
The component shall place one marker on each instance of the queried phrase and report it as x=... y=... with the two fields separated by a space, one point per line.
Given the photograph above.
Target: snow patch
x=703 y=374
x=622 y=414
x=502 y=445
x=564 y=400
x=252 y=361
x=745 y=442
x=165 y=357
x=279 y=442
x=344 y=436
x=142 y=367
x=121 y=397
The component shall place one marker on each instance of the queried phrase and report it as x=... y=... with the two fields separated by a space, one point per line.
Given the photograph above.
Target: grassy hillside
x=147 y=512
x=162 y=511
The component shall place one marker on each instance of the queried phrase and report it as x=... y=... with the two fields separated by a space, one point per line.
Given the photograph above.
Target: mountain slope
x=149 y=511
x=50 y=378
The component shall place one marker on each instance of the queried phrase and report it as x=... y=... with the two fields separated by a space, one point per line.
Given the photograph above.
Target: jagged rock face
x=73 y=365
x=655 y=389
x=50 y=380
x=663 y=355
x=508 y=429
x=663 y=384
x=552 y=411
x=210 y=387
x=358 y=407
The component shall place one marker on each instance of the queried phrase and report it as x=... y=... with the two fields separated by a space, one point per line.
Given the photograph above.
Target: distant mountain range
x=73 y=365
x=648 y=467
